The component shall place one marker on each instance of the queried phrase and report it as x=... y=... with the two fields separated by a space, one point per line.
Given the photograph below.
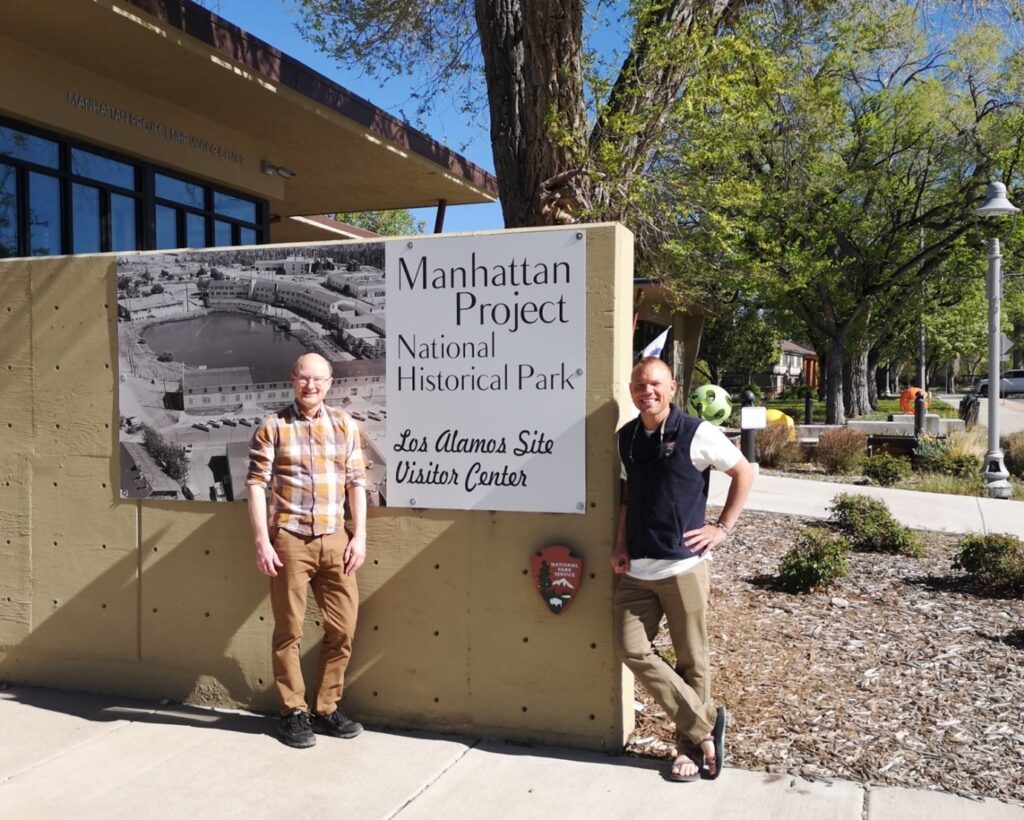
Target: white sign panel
x=486 y=350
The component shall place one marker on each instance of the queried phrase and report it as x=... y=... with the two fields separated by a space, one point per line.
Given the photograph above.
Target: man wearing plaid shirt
x=308 y=457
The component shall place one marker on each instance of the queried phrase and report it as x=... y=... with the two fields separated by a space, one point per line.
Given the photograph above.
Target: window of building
x=60 y=196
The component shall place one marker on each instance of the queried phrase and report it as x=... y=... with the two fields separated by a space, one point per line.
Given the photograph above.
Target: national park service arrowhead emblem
x=557 y=574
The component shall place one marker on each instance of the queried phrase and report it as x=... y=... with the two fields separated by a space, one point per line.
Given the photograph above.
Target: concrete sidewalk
x=926 y=511
x=66 y=755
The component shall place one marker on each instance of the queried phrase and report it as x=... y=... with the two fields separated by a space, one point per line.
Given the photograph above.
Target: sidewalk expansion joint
x=62 y=752
x=434 y=779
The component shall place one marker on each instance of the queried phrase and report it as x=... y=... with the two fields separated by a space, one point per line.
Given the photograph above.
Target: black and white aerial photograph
x=206 y=342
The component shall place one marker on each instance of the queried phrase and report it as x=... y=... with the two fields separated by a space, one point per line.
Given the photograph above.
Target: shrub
x=870 y=527
x=1013 y=453
x=959 y=454
x=886 y=470
x=816 y=560
x=995 y=561
x=841 y=450
x=775 y=446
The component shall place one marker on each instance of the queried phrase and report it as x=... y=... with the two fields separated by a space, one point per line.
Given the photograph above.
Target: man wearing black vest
x=662 y=553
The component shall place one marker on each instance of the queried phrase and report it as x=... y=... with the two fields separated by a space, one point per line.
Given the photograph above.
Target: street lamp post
x=994 y=470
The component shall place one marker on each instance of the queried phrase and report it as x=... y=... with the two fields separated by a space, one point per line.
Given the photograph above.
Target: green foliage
x=165 y=357
x=949 y=456
x=738 y=339
x=870 y=527
x=1013 y=453
x=775 y=446
x=385 y=223
x=841 y=450
x=816 y=560
x=886 y=470
x=995 y=561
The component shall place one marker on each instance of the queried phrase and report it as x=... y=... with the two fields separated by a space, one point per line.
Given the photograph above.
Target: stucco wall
x=162 y=599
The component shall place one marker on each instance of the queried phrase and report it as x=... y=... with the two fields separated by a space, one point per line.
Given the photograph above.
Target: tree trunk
x=860 y=383
x=875 y=376
x=532 y=51
x=834 y=411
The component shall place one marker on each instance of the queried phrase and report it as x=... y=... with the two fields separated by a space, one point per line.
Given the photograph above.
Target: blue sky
x=274 y=21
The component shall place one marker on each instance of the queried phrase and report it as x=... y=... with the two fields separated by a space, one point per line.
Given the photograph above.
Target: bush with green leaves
x=1013 y=453
x=995 y=561
x=870 y=527
x=959 y=456
x=776 y=446
x=885 y=469
x=841 y=450
x=817 y=558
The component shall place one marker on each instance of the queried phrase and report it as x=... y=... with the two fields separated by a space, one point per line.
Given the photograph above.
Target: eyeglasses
x=316 y=381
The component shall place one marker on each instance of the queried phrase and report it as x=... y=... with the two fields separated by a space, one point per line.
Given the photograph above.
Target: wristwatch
x=722 y=527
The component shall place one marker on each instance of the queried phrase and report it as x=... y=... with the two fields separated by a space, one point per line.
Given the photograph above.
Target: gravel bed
x=898 y=674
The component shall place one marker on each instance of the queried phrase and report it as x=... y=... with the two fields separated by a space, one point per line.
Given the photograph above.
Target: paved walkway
x=926 y=511
x=65 y=755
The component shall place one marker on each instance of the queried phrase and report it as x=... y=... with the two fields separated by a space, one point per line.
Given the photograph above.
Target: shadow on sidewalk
x=101 y=709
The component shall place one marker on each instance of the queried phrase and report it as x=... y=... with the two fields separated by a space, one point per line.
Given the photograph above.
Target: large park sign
x=486 y=350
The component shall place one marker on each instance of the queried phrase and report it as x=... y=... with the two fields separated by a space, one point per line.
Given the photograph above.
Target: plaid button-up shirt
x=308 y=464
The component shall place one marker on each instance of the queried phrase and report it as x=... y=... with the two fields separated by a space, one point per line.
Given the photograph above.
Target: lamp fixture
x=270 y=169
x=996 y=203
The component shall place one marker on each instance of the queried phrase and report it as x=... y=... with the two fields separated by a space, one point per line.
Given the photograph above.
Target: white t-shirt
x=709 y=448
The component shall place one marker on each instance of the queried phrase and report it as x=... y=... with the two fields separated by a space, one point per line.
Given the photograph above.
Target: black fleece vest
x=665 y=494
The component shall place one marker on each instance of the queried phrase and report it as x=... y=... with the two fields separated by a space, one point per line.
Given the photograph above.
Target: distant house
x=796 y=366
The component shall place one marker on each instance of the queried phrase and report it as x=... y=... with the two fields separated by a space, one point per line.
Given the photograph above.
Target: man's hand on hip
x=706 y=538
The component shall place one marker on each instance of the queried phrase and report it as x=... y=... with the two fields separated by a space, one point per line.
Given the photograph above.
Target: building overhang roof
x=346 y=154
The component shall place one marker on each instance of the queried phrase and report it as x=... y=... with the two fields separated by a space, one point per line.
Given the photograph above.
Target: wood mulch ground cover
x=898 y=674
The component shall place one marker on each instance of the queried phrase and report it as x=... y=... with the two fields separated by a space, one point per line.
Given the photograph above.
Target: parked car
x=245 y=422
x=357 y=415
x=229 y=422
x=200 y=426
x=213 y=423
x=1011 y=382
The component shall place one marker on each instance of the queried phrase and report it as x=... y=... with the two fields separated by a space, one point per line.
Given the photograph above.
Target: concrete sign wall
x=142 y=597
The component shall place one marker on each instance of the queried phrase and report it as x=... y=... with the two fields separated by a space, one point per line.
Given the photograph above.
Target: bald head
x=652 y=388
x=656 y=364
x=314 y=361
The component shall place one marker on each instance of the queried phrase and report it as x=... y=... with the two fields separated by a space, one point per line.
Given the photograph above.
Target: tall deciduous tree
x=552 y=164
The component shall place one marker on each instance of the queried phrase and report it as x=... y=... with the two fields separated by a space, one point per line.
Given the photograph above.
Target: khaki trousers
x=317 y=562
x=683 y=691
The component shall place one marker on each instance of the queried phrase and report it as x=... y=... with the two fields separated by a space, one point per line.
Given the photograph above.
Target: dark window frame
x=144 y=196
